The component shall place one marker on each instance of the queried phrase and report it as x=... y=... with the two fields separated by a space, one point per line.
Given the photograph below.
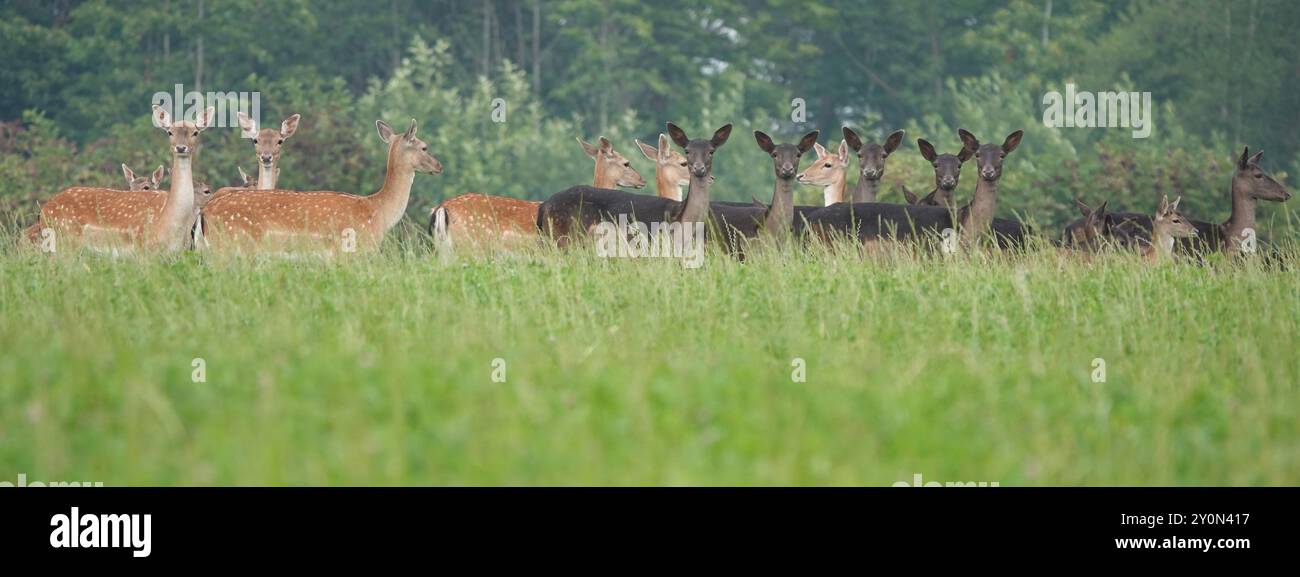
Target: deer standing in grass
x=267 y=143
x=482 y=220
x=947 y=171
x=1166 y=225
x=105 y=219
x=871 y=162
x=322 y=221
x=1250 y=184
x=775 y=220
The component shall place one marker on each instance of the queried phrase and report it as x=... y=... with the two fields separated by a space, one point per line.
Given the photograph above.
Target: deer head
x=947 y=171
x=785 y=157
x=250 y=181
x=267 y=141
x=184 y=135
x=871 y=156
x=405 y=151
x=671 y=173
x=699 y=152
x=1168 y=221
x=612 y=168
x=1254 y=183
x=1089 y=233
x=142 y=183
x=989 y=156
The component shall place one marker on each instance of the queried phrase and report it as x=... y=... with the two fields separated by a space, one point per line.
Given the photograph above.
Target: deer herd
x=259 y=217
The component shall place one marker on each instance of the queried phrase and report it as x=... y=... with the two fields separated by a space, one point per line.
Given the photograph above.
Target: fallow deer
x=1250 y=184
x=737 y=224
x=830 y=171
x=871 y=162
x=321 y=221
x=671 y=174
x=101 y=218
x=266 y=145
x=481 y=220
x=1166 y=225
x=578 y=209
x=142 y=183
x=947 y=171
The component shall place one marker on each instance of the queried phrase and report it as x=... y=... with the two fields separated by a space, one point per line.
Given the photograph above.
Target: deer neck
x=178 y=210
x=1243 y=212
x=978 y=215
x=697 y=200
x=601 y=179
x=1162 y=243
x=834 y=192
x=391 y=200
x=666 y=186
x=780 y=216
x=865 y=191
x=266 y=176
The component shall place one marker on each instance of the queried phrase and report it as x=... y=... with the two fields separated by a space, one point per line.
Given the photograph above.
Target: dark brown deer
x=871 y=162
x=577 y=210
x=1250 y=184
x=738 y=223
x=947 y=171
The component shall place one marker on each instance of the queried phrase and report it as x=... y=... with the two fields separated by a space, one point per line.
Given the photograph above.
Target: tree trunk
x=198 y=51
x=487 y=38
x=537 y=49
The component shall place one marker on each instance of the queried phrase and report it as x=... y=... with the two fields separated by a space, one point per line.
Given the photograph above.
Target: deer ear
x=242 y=175
x=720 y=137
x=844 y=151
x=1174 y=206
x=1084 y=209
x=587 y=147
x=1257 y=157
x=385 y=131
x=647 y=150
x=247 y=126
x=1101 y=210
x=968 y=140
x=910 y=196
x=852 y=138
x=410 y=131
x=1163 y=207
x=764 y=141
x=665 y=150
x=605 y=145
x=157 y=175
x=289 y=126
x=1012 y=141
x=128 y=173
x=678 y=135
x=820 y=150
x=1245 y=158
x=927 y=149
x=161 y=118
x=209 y=116
x=894 y=139
x=808 y=141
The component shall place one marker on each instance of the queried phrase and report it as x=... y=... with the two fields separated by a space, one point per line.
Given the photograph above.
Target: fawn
x=1166 y=225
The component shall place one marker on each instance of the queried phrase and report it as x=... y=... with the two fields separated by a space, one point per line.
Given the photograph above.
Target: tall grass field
x=803 y=367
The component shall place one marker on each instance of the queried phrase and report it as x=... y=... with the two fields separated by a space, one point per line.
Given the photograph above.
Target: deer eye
x=828 y=165
x=627 y=163
x=196 y=133
x=169 y=132
x=1259 y=176
x=683 y=164
x=424 y=148
x=280 y=141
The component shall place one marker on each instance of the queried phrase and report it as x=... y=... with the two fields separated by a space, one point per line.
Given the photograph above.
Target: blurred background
x=77 y=76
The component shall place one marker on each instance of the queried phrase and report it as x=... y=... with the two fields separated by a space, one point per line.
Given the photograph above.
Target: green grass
x=377 y=371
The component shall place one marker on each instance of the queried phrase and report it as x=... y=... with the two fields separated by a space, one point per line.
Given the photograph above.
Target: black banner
x=165 y=526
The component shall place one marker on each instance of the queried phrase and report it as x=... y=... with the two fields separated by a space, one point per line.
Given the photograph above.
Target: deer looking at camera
x=105 y=219
x=142 y=183
x=947 y=171
x=482 y=221
x=267 y=143
x=323 y=221
x=871 y=162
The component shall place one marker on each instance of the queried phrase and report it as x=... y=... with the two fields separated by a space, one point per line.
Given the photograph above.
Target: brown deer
x=1166 y=225
x=776 y=219
x=266 y=145
x=830 y=171
x=250 y=180
x=101 y=218
x=871 y=161
x=482 y=220
x=976 y=218
x=579 y=209
x=142 y=183
x=1250 y=184
x=321 y=221
x=947 y=171
x=671 y=174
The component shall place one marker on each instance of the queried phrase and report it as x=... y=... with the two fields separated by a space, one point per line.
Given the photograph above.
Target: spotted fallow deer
x=153 y=220
x=142 y=183
x=321 y=221
x=487 y=221
x=267 y=143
